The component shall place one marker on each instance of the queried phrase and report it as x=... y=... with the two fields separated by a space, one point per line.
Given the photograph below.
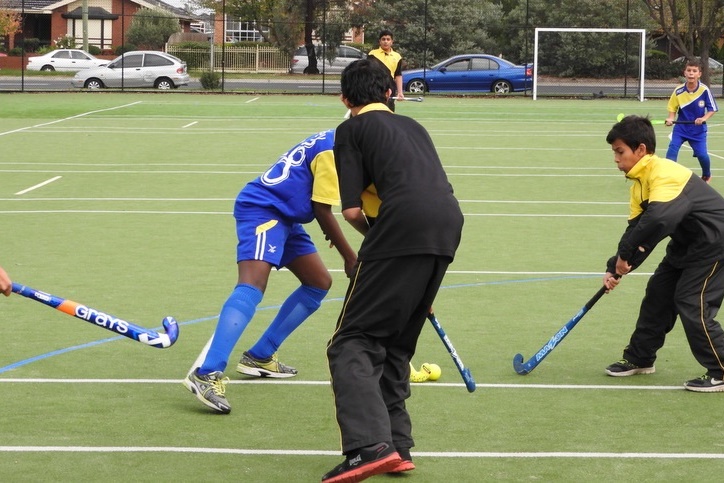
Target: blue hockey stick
x=464 y=371
x=524 y=368
x=101 y=319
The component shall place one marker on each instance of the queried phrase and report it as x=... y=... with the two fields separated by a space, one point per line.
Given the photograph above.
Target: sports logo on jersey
x=702 y=104
x=292 y=158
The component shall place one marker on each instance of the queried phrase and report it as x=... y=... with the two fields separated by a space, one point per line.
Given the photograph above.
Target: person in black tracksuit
x=401 y=264
x=667 y=199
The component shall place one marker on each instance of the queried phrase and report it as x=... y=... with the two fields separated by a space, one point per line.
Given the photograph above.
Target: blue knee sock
x=705 y=163
x=235 y=316
x=302 y=303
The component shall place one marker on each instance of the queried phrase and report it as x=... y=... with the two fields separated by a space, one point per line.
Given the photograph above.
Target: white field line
x=163 y=200
x=438 y=385
x=41 y=163
x=39 y=185
x=252 y=100
x=301 y=452
x=237 y=172
x=69 y=118
x=226 y=213
x=189 y=124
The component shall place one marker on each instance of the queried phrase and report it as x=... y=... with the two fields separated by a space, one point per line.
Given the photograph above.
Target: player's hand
x=610 y=280
x=6 y=285
x=622 y=266
x=350 y=267
x=669 y=122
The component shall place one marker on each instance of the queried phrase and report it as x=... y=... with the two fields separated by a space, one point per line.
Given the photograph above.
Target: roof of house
x=41 y=6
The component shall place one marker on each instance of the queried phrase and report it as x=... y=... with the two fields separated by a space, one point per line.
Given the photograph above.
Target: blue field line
x=87 y=345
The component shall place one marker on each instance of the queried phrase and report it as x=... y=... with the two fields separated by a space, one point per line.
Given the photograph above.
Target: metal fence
x=577 y=65
x=231 y=59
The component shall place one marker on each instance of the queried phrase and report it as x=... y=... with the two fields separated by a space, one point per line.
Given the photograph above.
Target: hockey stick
x=658 y=122
x=524 y=368
x=412 y=99
x=464 y=371
x=101 y=319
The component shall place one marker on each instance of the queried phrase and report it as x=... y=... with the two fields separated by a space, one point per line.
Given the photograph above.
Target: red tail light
x=180 y=70
x=529 y=71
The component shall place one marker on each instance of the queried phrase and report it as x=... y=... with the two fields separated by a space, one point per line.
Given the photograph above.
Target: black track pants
x=369 y=353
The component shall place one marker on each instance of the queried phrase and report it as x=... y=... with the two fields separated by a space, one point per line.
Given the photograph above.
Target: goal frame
x=642 y=57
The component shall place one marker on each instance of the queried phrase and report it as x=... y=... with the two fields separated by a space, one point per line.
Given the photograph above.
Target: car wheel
x=164 y=83
x=47 y=68
x=502 y=87
x=416 y=86
x=93 y=83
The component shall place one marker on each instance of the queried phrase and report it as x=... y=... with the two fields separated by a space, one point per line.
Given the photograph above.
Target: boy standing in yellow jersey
x=393 y=62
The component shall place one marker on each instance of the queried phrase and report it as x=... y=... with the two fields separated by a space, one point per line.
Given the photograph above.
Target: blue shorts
x=263 y=235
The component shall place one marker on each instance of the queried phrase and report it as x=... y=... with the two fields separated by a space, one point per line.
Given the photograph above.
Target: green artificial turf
x=139 y=225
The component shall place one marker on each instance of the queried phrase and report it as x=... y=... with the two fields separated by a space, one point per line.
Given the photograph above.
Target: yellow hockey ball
x=433 y=370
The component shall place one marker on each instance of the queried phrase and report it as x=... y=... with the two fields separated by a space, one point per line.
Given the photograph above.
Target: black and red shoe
x=364 y=463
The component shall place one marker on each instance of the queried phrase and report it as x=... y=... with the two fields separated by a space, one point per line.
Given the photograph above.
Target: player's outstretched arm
x=6 y=285
x=333 y=233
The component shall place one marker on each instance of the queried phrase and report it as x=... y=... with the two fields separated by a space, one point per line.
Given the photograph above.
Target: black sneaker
x=405 y=464
x=624 y=368
x=705 y=383
x=363 y=463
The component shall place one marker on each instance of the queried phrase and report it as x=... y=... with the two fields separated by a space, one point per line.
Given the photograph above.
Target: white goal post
x=642 y=56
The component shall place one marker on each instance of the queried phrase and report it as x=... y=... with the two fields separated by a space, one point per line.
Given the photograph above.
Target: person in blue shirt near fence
x=694 y=104
x=301 y=186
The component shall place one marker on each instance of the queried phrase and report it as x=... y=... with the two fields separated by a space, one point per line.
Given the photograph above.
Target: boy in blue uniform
x=695 y=104
x=301 y=186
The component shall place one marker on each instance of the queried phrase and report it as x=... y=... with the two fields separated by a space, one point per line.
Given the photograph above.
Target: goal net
x=589 y=62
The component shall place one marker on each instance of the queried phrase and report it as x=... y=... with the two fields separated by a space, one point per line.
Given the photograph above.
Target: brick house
x=108 y=20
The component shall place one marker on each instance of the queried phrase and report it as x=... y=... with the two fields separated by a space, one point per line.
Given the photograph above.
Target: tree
x=151 y=28
x=9 y=23
x=286 y=23
x=691 y=25
x=430 y=31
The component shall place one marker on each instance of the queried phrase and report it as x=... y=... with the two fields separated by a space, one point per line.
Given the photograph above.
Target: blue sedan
x=470 y=72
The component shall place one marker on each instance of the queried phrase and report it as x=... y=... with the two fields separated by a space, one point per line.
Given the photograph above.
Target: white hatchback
x=345 y=55
x=64 y=60
x=138 y=68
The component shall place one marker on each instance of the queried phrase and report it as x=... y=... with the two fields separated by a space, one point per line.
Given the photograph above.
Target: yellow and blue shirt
x=303 y=174
x=691 y=105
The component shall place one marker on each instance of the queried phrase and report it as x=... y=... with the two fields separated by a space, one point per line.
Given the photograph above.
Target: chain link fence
x=567 y=64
